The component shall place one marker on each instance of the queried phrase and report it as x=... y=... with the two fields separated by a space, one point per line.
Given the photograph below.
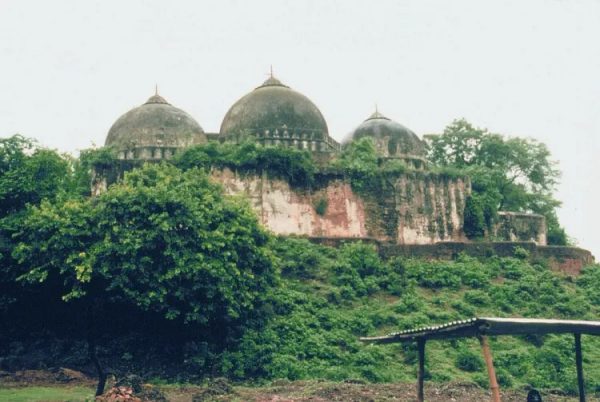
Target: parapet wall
x=409 y=208
x=311 y=140
x=516 y=226
x=569 y=260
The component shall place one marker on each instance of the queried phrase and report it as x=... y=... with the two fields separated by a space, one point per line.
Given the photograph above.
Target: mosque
x=273 y=114
x=417 y=207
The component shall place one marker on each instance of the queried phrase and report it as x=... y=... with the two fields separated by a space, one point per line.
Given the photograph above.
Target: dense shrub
x=318 y=339
x=294 y=165
x=468 y=360
x=474 y=221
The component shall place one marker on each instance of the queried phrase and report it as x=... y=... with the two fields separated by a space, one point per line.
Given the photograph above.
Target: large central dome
x=274 y=107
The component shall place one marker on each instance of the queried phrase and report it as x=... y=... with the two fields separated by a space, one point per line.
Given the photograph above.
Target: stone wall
x=516 y=226
x=105 y=174
x=411 y=208
x=417 y=207
x=569 y=260
x=286 y=211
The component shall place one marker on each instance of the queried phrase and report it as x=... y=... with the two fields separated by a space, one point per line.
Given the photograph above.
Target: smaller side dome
x=392 y=139
x=154 y=130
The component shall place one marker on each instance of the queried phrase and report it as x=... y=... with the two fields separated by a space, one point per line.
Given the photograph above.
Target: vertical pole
x=421 y=370
x=578 y=362
x=487 y=355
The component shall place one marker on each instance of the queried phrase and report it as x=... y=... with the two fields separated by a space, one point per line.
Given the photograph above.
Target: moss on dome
x=274 y=106
x=156 y=123
x=391 y=138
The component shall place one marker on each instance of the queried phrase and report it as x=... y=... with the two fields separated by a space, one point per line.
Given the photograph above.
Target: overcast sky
x=69 y=69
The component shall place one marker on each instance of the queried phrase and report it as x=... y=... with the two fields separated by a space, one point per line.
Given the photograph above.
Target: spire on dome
x=156 y=98
x=376 y=115
x=272 y=81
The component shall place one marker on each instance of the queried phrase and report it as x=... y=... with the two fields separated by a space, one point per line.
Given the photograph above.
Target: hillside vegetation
x=165 y=276
x=329 y=297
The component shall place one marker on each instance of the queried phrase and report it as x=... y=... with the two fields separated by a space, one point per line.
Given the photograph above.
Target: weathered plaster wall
x=515 y=226
x=293 y=211
x=429 y=208
x=103 y=175
x=411 y=208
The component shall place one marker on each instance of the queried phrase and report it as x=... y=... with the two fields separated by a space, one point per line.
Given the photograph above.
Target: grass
x=47 y=394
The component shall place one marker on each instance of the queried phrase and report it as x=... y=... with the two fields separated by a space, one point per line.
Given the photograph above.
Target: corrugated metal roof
x=490 y=326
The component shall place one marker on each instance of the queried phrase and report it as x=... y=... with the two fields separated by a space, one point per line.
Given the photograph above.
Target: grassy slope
x=330 y=297
x=49 y=394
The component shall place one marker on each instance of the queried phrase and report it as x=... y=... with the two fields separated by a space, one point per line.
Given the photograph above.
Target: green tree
x=99 y=159
x=474 y=224
x=512 y=174
x=28 y=175
x=359 y=156
x=163 y=240
x=360 y=162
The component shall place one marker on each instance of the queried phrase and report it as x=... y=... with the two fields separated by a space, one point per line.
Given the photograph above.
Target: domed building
x=392 y=139
x=153 y=131
x=275 y=114
x=404 y=207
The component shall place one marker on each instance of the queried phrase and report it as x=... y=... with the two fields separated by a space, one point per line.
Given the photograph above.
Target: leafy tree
x=90 y=159
x=474 y=221
x=359 y=156
x=28 y=175
x=360 y=162
x=512 y=174
x=163 y=240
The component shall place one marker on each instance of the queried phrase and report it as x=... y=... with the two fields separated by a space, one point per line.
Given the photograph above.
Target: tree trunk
x=92 y=349
x=99 y=368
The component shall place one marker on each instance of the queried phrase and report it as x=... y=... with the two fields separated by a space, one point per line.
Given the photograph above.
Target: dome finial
x=156 y=98
x=377 y=115
x=272 y=81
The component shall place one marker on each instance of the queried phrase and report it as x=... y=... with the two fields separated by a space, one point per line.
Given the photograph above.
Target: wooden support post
x=487 y=355
x=421 y=370
x=579 y=363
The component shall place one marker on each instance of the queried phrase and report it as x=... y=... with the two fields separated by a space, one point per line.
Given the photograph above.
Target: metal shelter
x=481 y=327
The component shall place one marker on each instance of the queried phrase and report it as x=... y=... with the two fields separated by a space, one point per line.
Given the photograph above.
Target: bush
x=521 y=253
x=469 y=361
x=474 y=220
x=321 y=206
x=294 y=165
x=477 y=298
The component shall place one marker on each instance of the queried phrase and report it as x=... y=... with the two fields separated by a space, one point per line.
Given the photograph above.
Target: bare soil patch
x=289 y=391
x=315 y=391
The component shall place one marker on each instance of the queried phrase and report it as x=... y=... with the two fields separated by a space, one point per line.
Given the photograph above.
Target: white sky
x=69 y=69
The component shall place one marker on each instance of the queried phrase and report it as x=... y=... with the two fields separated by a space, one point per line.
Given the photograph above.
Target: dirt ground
x=315 y=391
x=286 y=391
